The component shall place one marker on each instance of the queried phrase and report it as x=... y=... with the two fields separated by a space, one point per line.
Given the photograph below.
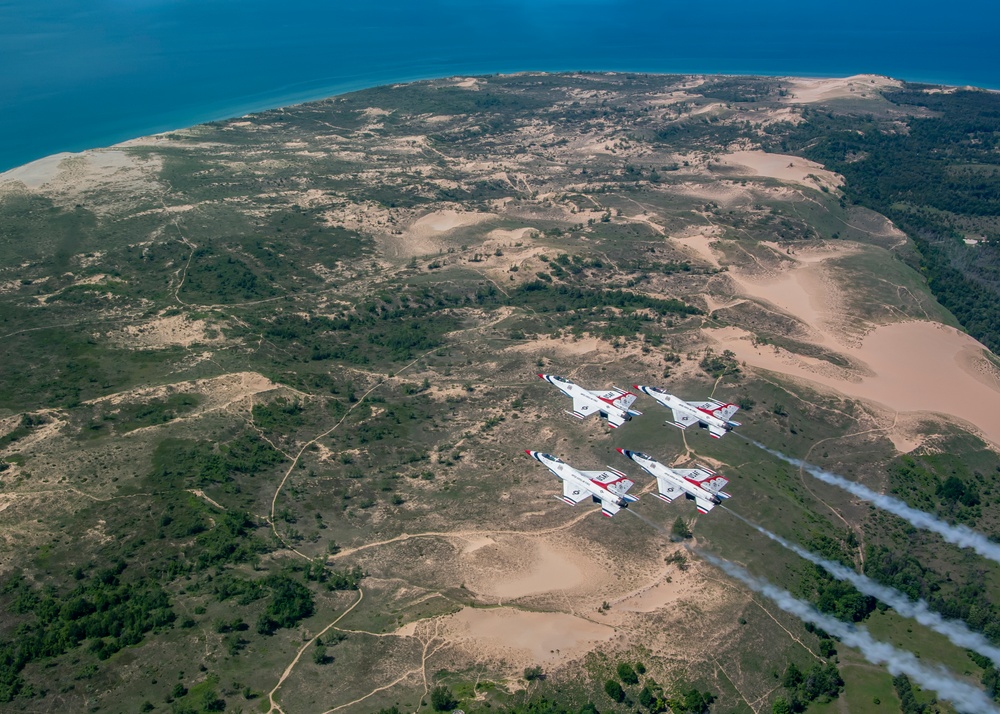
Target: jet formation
x=609 y=488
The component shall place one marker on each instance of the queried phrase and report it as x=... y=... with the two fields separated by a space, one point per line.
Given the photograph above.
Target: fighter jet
x=608 y=488
x=702 y=485
x=712 y=415
x=613 y=404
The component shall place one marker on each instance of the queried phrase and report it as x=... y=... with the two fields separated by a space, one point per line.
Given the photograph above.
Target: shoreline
x=281 y=98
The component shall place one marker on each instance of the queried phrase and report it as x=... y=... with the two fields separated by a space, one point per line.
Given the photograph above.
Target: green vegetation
x=904 y=689
x=442 y=700
x=108 y=609
x=820 y=683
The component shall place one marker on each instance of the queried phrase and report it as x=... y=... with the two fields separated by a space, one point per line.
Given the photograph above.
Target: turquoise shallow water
x=76 y=74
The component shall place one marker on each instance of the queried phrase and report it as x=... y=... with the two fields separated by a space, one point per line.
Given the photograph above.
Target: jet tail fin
x=725 y=411
x=710 y=481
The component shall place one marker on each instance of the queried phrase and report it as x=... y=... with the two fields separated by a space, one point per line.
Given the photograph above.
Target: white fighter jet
x=609 y=488
x=702 y=485
x=713 y=415
x=613 y=403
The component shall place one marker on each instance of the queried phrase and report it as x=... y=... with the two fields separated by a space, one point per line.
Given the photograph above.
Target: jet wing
x=668 y=489
x=684 y=419
x=573 y=494
x=582 y=407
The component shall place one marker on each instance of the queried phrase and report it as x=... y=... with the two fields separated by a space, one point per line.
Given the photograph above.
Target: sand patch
x=800 y=285
x=913 y=367
x=85 y=171
x=532 y=637
x=504 y=573
x=448 y=220
x=791 y=169
x=666 y=591
x=467 y=83
x=425 y=235
x=36 y=174
x=859 y=86
x=565 y=348
x=516 y=235
x=217 y=392
x=163 y=332
x=698 y=245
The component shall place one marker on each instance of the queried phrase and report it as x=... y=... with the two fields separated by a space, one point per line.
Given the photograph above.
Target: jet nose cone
x=622 y=452
x=528 y=452
x=541 y=376
x=637 y=386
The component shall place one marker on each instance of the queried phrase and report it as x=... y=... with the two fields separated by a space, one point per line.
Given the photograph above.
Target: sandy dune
x=544 y=569
x=444 y=221
x=164 y=332
x=790 y=169
x=859 y=86
x=915 y=367
x=87 y=168
x=910 y=367
x=534 y=637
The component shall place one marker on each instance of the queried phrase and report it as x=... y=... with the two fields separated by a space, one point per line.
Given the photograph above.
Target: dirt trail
x=298 y=655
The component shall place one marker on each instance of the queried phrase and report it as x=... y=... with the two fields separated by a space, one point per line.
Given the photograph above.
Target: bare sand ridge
x=912 y=366
x=915 y=367
x=87 y=170
x=425 y=235
x=859 y=86
x=791 y=169
x=533 y=637
x=804 y=289
x=164 y=332
x=546 y=569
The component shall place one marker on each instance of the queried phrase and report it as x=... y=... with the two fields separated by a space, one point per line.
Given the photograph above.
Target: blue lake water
x=76 y=74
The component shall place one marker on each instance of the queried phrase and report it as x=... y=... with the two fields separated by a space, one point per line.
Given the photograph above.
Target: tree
x=614 y=690
x=781 y=706
x=680 y=530
x=792 y=677
x=646 y=698
x=319 y=654
x=442 y=700
x=533 y=673
x=627 y=674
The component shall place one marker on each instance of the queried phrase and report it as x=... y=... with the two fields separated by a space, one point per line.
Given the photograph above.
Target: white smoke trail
x=962 y=536
x=955 y=630
x=945 y=684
